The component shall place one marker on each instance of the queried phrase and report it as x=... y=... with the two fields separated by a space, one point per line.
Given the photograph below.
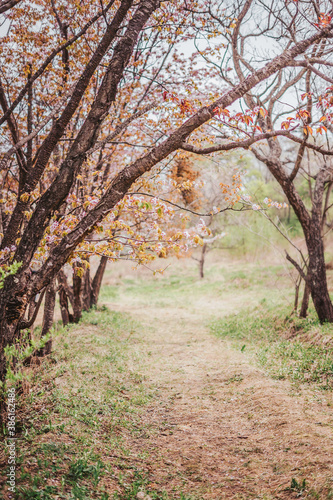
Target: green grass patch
x=84 y=401
x=253 y=283
x=288 y=347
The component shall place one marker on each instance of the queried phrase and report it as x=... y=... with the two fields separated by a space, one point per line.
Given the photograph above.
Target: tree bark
x=64 y=309
x=48 y=317
x=86 y=291
x=77 y=294
x=8 y=4
x=97 y=281
x=58 y=128
x=317 y=280
x=62 y=279
x=305 y=301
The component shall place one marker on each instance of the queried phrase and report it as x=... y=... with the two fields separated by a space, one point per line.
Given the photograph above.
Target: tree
x=199 y=185
x=288 y=106
x=37 y=186
x=140 y=229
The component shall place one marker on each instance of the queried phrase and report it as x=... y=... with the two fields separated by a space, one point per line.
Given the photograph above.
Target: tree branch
x=245 y=144
x=8 y=4
x=124 y=179
x=59 y=127
x=297 y=266
x=298 y=162
x=49 y=59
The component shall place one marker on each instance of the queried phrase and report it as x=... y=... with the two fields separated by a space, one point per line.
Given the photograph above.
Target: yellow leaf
x=24 y=197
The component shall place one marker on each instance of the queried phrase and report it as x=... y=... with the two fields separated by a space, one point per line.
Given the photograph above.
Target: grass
x=183 y=284
x=288 y=347
x=87 y=400
x=140 y=488
x=84 y=401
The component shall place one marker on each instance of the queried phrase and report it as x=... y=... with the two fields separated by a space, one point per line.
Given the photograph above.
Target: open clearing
x=221 y=427
x=169 y=410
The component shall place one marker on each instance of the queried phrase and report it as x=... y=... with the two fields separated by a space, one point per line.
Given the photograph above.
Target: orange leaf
x=225 y=112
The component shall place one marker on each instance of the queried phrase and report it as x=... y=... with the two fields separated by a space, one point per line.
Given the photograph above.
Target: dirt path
x=220 y=427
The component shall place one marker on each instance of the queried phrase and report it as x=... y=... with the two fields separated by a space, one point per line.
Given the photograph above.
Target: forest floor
x=165 y=409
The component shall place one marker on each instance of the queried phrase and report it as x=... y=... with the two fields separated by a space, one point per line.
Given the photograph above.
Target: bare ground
x=221 y=428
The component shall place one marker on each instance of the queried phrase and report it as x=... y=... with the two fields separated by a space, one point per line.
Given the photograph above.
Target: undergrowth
x=84 y=401
x=287 y=346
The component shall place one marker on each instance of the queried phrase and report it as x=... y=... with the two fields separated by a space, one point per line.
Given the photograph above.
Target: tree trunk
x=297 y=287
x=7 y=338
x=312 y=228
x=305 y=301
x=77 y=293
x=202 y=260
x=49 y=306
x=97 y=281
x=65 y=295
x=64 y=309
x=62 y=279
x=33 y=310
x=317 y=279
x=83 y=294
x=12 y=309
x=86 y=291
